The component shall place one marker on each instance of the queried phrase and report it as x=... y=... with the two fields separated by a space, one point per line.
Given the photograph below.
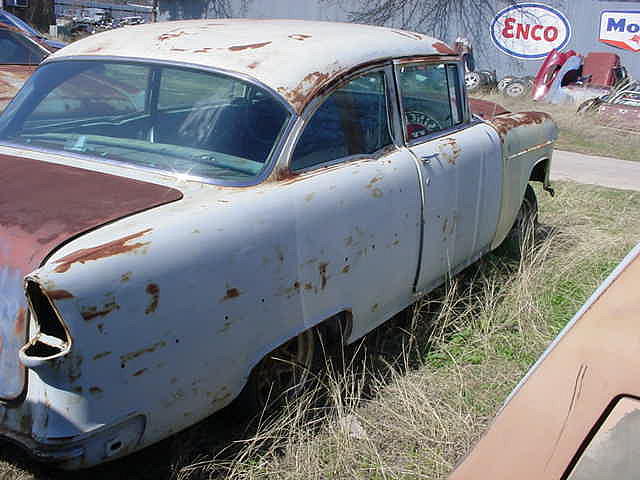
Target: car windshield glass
x=178 y=120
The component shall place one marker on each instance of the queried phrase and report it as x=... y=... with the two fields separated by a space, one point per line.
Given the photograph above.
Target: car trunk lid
x=42 y=206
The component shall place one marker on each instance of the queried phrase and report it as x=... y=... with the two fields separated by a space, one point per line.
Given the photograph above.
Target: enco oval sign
x=530 y=30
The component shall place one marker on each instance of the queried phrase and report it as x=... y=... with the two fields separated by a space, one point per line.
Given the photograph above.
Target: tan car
x=20 y=54
x=576 y=414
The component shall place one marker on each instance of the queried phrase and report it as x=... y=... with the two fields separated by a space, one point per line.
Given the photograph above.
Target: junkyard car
x=181 y=199
x=576 y=414
x=20 y=54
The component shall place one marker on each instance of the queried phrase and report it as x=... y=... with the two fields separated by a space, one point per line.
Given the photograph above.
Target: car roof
x=296 y=58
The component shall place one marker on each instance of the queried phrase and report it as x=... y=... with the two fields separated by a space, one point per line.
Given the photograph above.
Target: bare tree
x=40 y=14
x=439 y=18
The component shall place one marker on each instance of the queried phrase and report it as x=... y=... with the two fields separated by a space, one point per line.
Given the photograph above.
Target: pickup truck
x=188 y=206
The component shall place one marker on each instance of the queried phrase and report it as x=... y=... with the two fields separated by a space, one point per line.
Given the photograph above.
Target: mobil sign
x=530 y=30
x=621 y=29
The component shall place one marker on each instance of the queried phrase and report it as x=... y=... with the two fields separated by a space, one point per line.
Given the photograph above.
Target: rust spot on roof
x=101 y=251
x=444 y=48
x=253 y=65
x=299 y=36
x=59 y=294
x=153 y=290
x=178 y=49
x=231 y=293
x=238 y=48
x=203 y=50
x=299 y=96
x=168 y=35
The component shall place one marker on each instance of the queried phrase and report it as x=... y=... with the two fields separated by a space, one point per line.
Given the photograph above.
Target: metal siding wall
x=584 y=16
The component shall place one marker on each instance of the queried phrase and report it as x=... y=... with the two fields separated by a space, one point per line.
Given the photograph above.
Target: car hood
x=42 y=206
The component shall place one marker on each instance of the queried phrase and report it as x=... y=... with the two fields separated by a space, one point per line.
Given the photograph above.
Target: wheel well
x=337 y=328
x=539 y=172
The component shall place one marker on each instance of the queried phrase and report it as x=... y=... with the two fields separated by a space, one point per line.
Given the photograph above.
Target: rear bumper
x=100 y=445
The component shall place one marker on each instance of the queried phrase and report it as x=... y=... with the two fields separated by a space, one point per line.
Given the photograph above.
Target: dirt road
x=607 y=172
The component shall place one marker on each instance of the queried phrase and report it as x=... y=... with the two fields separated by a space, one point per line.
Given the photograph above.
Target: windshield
x=178 y=120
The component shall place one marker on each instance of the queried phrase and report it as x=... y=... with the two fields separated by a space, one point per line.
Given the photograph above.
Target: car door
x=356 y=200
x=460 y=168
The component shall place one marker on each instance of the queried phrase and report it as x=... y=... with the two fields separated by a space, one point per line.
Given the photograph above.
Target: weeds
x=410 y=399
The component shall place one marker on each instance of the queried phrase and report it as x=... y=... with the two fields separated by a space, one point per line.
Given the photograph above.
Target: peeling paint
x=138 y=353
x=299 y=36
x=154 y=291
x=59 y=294
x=231 y=293
x=322 y=268
x=90 y=313
x=110 y=249
x=238 y=48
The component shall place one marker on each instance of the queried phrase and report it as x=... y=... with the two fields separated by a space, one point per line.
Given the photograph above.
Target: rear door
x=460 y=168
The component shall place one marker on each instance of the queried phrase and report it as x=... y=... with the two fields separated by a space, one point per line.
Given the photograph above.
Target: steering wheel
x=419 y=124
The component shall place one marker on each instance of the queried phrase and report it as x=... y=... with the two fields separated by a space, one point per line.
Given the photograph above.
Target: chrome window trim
x=269 y=163
x=467 y=121
x=315 y=104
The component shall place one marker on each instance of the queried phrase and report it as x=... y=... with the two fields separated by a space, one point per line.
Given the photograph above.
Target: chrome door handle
x=426 y=159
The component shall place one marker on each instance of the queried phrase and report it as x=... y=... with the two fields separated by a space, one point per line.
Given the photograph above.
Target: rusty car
x=188 y=206
x=20 y=54
x=576 y=413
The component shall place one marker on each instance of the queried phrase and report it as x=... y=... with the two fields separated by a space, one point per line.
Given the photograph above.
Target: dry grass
x=578 y=133
x=411 y=399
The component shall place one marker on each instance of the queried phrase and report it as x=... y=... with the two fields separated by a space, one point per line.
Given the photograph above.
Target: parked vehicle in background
x=20 y=54
x=271 y=187
x=576 y=414
x=11 y=20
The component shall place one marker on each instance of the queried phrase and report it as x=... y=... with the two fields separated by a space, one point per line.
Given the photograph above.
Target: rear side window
x=352 y=121
x=432 y=98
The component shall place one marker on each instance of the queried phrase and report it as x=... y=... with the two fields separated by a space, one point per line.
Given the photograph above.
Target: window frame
x=467 y=119
x=390 y=93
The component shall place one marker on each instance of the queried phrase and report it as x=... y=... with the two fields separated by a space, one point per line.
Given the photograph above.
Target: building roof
x=294 y=57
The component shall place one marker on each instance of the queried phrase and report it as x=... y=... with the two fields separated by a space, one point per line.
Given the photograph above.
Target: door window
x=352 y=121
x=431 y=98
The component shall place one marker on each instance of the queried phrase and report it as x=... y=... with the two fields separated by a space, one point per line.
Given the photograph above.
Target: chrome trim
x=531 y=149
x=269 y=163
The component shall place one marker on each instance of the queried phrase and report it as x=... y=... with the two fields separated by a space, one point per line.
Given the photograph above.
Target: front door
x=459 y=165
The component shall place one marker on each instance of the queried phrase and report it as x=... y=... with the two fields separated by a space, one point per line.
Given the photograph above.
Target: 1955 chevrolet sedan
x=186 y=205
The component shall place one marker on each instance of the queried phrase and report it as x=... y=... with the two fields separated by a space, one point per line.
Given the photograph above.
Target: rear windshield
x=182 y=121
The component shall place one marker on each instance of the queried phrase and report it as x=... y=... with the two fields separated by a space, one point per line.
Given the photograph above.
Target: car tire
x=473 y=81
x=281 y=376
x=521 y=238
x=516 y=88
x=502 y=84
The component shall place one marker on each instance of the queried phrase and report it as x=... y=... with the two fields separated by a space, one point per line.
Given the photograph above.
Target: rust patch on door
x=153 y=290
x=110 y=249
x=322 y=268
x=450 y=150
x=231 y=293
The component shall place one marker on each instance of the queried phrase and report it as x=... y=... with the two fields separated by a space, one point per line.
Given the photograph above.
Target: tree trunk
x=39 y=13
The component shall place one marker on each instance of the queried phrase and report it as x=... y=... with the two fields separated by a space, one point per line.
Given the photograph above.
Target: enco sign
x=530 y=30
